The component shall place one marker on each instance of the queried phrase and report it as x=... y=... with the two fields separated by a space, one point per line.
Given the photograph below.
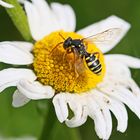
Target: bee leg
x=98 y=54
x=70 y=64
x=75 y=70
x=64 y=57
x=55 y=47
x=69 y=61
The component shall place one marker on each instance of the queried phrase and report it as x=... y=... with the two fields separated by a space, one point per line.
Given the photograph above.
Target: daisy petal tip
x=72 y=124
x=19 y=99
x=16 y=105
x=123 y=23
x=121 y=130
x=79 y=118
x=61 y=119
x=22 y=1
x=69 y=123
x=122 y=126
x=5 y=4
x=60 y=107
x=50 y=91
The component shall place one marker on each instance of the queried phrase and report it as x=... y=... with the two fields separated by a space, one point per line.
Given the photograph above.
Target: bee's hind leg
x=75 y=71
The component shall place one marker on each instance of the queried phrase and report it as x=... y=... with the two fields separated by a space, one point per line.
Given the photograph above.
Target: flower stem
x=19 y=19
x=49 y=123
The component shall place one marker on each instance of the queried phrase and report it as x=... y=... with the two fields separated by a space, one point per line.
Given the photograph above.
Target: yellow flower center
x=65 y=71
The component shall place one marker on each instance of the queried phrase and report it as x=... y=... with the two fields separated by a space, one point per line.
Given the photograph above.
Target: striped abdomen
x=93 y=63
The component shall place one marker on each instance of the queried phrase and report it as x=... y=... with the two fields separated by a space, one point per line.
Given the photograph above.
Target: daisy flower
x=4 y=4
x=50 y=71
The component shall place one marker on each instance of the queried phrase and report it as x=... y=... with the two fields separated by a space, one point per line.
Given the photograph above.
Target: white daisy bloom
x=5 y=4
x=51 y=70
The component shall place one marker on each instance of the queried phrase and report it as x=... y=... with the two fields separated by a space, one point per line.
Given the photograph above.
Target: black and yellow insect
x=78 y=48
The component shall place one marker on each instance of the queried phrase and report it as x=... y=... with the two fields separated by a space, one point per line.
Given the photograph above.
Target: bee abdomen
x=94 y=64
x=96 y=69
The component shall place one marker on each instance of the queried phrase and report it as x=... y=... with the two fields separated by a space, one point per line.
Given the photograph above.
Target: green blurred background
x=29 y=120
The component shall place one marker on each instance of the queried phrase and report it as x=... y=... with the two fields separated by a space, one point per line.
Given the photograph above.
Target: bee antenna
x=62 y=37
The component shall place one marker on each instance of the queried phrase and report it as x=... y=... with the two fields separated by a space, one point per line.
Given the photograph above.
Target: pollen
x=56 y=67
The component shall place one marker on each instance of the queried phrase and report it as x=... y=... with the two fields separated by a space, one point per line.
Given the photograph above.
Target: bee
x=79 y=48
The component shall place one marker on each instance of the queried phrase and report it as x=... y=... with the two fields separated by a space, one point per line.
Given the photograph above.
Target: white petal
x=134 y=87
x=5 y=4
x=65 y=16
x=125 y=96
x=108 y=120
x=80 y=111
x=12 y=54
x=35 y=90
x=19 y=99
x=96 y=114
x=120 y=113
x=125 y=59
x=10 y=77
x=130 y=100
x=117 y=108
x=24 y=45
x=60 y=106
x=33 y=19
x=116 y=69
x=43 y=20
x=105 y=111
x=111 y=22
x=21 y=1
x=78 y=120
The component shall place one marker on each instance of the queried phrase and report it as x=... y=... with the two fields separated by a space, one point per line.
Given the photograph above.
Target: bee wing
x=79 y=63
x=105 y=37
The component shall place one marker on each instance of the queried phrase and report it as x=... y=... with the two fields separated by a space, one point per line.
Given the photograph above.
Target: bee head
x=67 y=43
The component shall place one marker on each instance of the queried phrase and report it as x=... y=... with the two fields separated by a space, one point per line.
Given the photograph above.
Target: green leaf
x=19 y=19
x=18 y=122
